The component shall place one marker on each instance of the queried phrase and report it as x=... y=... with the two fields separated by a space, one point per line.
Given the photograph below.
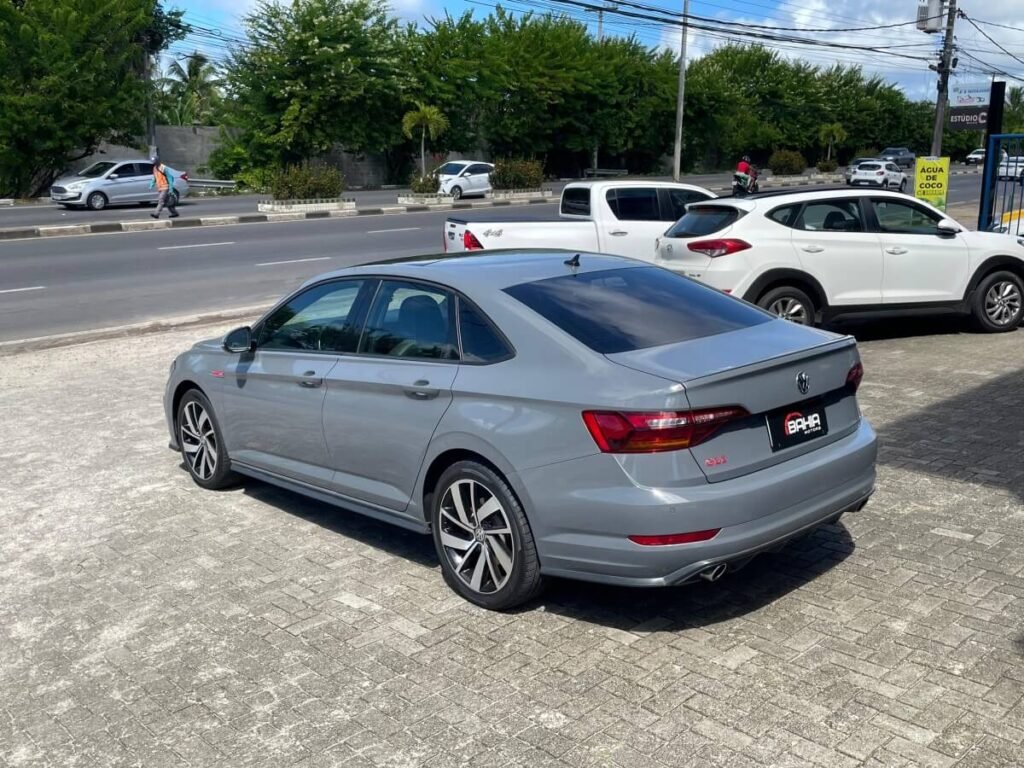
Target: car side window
x=900 y=217
x=891 y=167
x=143 y=169
x=124 y=170
x=481 y=342
x=319 y=319
x=676 y=200
x=830 y=216
x=634 y=203
x=784 y=215
x=412 y=321
x=479 y=168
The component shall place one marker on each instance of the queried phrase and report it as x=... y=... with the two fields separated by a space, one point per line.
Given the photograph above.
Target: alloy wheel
x=790 y=309
x=199 y=440
x=476 y=536
x=1003 y=302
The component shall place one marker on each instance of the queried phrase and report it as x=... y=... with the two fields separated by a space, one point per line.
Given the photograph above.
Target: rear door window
x=703 y=220
x=634 y=203
x=576 y=201
x=784 y=215
x=619 y=310
x=831 y=216
x=674 y=202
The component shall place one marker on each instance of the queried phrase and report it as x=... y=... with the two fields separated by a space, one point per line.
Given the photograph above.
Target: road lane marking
x=19 y=290
x=197 y=245
x=399 y=229
x=293 y=261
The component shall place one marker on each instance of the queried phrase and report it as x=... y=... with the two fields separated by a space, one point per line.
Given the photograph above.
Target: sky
x=909 y=51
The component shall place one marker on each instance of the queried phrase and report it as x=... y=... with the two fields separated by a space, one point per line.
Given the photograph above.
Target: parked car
x=977 y=157
x=622 y=218
x=113 y=182
x=813 y=257
x=592 y=417
x=879 y=173
x=465 y=178
x=902 y=156
x=852 y=165
x=1011 y=168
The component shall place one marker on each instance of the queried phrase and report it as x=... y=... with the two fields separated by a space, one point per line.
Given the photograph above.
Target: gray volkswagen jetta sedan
x=539 y=414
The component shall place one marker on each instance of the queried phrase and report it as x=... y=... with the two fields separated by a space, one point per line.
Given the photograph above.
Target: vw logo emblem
x=803 y=383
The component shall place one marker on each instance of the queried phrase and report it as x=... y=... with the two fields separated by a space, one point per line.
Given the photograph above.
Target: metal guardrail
x=593 y=173
x=211 y=183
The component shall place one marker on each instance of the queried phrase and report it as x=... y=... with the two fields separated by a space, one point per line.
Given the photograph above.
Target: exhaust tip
x=714 y=573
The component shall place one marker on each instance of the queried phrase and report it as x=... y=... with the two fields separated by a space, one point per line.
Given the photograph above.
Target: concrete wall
x=183 y=147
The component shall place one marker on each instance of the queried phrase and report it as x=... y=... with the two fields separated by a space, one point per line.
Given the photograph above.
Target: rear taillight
x=855 y=376
x=470 y=243
x=184 y=177
x=716 y=248
x=655 y=431
x=675 y=538
x=879 y=173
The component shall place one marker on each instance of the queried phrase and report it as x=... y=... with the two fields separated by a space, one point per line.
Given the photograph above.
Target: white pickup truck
x=623 y=218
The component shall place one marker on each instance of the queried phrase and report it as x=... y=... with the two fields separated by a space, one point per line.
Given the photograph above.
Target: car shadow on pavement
x=375 y=533
x=902 y=327
x=764 y=580
x=973 y=436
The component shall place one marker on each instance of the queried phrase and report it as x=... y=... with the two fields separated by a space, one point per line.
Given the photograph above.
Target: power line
x=970 y=21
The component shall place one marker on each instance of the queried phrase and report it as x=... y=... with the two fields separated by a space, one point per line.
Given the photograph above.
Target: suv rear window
x=619 y=310
x=702 y=220
x=868 y=167
x=576 y=201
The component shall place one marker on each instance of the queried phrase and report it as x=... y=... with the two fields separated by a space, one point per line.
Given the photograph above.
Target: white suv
x=815 y=256
x=878 y=173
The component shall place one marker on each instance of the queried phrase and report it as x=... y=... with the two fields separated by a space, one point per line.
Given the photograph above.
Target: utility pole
x=677 y=155
x=600 y=37
x=944 y=69
x=147 y=68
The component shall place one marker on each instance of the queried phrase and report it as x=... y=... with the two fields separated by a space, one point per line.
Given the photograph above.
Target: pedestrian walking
x=163 y=181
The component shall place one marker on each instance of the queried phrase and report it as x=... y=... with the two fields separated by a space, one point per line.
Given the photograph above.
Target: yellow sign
x=931 y=180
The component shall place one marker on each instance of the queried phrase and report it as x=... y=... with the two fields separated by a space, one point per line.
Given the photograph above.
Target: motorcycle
x=744 y=184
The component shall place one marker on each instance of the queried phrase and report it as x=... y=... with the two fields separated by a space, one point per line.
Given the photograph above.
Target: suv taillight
x=656 y=431
x=470 y=243
x=855 y=376
x=184 y=177
x=879 y=173
x=716 y=248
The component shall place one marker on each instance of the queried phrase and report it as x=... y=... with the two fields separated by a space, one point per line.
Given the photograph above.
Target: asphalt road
x=68 y=284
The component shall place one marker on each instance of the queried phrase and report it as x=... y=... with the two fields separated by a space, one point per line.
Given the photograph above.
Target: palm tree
x=831 y=134
x=1013 y=120
x=193 y=88
x=426 y=119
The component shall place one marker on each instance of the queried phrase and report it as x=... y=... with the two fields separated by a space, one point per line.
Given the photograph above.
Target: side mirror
x=947 y=228
x=239 y=340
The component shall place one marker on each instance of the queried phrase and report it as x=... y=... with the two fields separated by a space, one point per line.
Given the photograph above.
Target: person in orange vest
x=164 y=183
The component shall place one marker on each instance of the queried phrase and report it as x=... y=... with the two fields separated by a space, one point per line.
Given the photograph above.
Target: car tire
x=903 y=185
x=492 y=560
x=201 y=442
x=789 y=303
x=97 y=201
x=998 y=303
x=456 y=192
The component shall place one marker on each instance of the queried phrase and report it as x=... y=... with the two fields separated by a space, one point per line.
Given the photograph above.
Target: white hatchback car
x=879 y=173
x=465 y=178
x=811 y=257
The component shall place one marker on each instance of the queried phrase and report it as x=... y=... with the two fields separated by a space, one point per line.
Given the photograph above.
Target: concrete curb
x=19 y=346
x=146 y=225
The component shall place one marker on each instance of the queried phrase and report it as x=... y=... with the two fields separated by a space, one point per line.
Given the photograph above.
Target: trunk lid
x=702 y=221
x=760 y=369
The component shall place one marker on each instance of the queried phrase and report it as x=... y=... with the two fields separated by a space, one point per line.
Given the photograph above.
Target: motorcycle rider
x=744 y=179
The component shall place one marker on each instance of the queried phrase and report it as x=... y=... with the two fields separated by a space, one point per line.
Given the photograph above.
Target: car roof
x=634 y=183
x=486 y=270
x=775 y=198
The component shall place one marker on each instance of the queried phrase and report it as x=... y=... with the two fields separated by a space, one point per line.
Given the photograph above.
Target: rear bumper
x=583 y=525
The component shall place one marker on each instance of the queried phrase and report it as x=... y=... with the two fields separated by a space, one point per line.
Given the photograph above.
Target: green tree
x=190 y=93
x=316 y=73
x=425 y=119
x=1013 y=114
x=831 y=134
x=72 y=77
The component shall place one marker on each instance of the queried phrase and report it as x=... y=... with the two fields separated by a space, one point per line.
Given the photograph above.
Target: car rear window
x=619 y=310
x=868 y=167
x=702 y=220
x=576 y=201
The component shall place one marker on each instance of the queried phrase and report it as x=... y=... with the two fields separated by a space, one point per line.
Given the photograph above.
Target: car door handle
x=812 y=248
x=310 y=383
x=618 y=232
x=421 y=390
x=896 y=250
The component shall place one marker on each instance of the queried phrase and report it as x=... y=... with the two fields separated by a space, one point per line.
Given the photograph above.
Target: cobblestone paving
x=146 y=622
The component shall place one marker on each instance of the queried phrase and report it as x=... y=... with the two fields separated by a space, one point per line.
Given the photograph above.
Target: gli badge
x=716 y=461
x=797 y=424
x=803 y=383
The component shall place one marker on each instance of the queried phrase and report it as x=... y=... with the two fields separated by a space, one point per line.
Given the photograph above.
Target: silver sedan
x=591 y=417
x=113 y=182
